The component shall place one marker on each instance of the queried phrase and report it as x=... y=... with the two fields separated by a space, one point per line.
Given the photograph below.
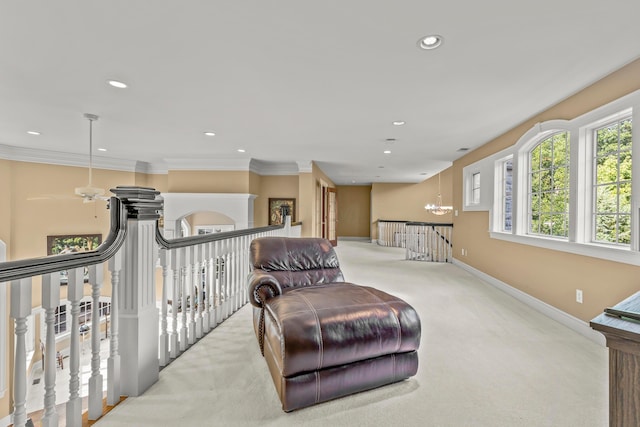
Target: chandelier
x=438 y=209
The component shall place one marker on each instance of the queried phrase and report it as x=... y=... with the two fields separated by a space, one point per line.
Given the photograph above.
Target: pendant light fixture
x=438 y=209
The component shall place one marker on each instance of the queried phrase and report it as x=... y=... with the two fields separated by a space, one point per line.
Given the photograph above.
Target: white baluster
x=206 y=300
x=96 y=277
x=225 y=280
x=183 y=285
x=20 y=310
x=236 y=273
x=113 y=363
x=191 y=271
x=195 y=323
x=245 y=263
x=201 y=284
x=213 y=308
x=217 y=293
x=163 y=347
x=50 y=301
x=175 y=295
x=74 y=294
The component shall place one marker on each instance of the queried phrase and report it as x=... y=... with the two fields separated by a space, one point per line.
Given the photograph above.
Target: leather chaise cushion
x=328 y=325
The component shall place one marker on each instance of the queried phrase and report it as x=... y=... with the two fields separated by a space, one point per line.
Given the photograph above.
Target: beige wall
x=274 y=186
x=354 y=210
x=208 y=181
x=405 y=202
x=548 y=275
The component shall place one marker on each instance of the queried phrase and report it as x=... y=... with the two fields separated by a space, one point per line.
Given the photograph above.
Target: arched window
x=548 y=190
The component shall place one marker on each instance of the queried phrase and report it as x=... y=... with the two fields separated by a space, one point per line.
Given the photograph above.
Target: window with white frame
x=548 y=197
x=60 y=319
x=504 y=192
x=612 y=183
x=571 y=185
x=475 y=188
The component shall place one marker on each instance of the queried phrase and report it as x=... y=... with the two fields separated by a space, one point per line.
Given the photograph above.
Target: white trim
x=6 y=421
x=600 y=251
x=273 y=168
x=49 y=157
x=559 y=316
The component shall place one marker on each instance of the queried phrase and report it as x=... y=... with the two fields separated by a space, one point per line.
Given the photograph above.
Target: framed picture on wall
x=215 y=228
x=66 y=244
x=275 y=212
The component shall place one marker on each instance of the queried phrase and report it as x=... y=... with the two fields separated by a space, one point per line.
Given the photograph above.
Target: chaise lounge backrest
x=295 y=262
x=281 y=264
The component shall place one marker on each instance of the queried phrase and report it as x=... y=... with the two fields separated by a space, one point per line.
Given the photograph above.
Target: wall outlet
x=579 y=296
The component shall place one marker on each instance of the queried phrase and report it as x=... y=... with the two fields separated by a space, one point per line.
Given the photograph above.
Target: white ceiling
x=293 y=81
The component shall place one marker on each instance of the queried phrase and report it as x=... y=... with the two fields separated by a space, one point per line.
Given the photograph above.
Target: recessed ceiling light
x=390 y=140
x=463 y=149
x=241 y=150
x=423 y=173
x=398 y=123
x=102 y=149
x=387 y=151
x=430 y=42
x=380 y=167
x=33 y=132
x=210 y=133
x=116 y=83
x=353 y=181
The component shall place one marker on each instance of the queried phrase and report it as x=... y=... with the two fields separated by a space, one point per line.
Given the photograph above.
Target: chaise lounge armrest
x=261 y=287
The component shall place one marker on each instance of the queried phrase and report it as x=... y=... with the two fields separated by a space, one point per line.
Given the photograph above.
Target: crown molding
x=259 y=167
x=31 y=155
x=208 y=164
x=273 y=168
x=305 y=166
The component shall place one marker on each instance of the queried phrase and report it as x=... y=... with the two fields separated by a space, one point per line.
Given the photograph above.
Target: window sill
x=609 y=253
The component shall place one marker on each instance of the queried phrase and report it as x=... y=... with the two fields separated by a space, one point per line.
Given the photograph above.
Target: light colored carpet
x=485 y=360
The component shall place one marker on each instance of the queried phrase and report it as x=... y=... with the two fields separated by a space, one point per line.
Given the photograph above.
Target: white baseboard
x=558 y=315
x=6 y=421
x=354 y=239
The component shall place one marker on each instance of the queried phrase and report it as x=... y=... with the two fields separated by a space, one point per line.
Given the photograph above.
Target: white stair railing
x=427 y=241
x=203 y=283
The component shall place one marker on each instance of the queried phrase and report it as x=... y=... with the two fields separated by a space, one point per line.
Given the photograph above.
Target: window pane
x=560 y=150
x=559 y=225
x=545 y=181
x=606 y=228
x=606 y=199
x=625 y=198
x=606 y=169
x=546 y=158
x=607 y=140
x=624 y=229
x=625 y=135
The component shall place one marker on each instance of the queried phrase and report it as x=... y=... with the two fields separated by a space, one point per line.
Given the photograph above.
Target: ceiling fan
x=89 y=193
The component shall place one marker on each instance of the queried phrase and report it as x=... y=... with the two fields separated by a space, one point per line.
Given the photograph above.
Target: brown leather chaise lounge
x=324 y=338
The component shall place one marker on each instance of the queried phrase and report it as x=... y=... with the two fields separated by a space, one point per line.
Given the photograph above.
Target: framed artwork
x=214 y=228
x=275 y=213
x=57 y=245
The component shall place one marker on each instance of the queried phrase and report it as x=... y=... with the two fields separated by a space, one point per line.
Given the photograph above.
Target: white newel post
x=138 y=313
